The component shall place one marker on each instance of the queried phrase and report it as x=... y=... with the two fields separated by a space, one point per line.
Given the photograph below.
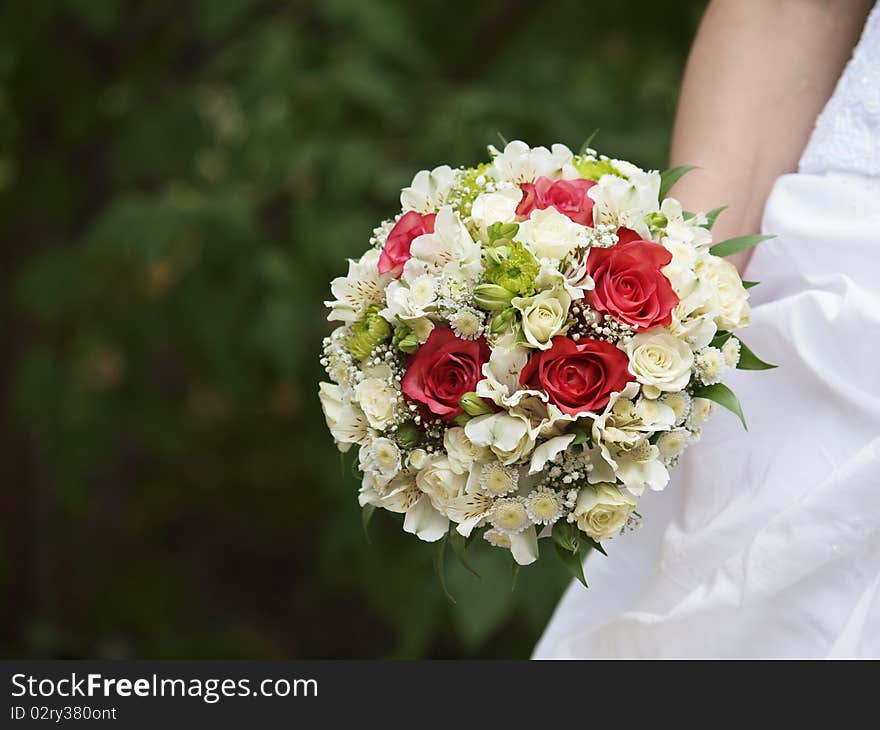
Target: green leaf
x=366 y=516
x=581 y=435
x=748 y=360
x=723 y=396
x=440 y=568
x=459 y=546
x=597 y=546
x=586 y=145
x=750 y=284
x=566 y=536
x=720 y=338
x=668 y=178
x=712 y=216
x=572 y=561
x=736 y=245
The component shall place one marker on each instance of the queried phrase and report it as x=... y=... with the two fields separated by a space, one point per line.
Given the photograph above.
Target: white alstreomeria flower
x=363 y=286
x=637 y=465
x=549 y=234
x=543 y=316
x=507 y=436
x=450 y=247
x=346 y=421
x=660 y=359
x=428 y=190
x=501 y=373
x=602 y=511
x=625 y=203
x=519 y=163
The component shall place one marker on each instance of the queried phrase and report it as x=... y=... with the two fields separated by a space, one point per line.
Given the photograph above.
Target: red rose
x=569 y=197
x=630 y=285
x=443 y=370
x=578 y=376
x=396 y=252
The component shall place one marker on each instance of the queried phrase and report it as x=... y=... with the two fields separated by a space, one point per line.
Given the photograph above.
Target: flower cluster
x=528 y=346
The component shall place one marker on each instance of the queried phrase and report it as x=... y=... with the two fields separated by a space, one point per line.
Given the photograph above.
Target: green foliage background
x=178 y=184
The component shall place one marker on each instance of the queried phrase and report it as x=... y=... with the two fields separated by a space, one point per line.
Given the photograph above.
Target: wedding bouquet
x=529 y=345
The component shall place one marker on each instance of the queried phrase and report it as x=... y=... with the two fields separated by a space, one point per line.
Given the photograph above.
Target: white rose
x=441 y=483
x=550 y=234
x=462 y=452
x=376 y=399
x=601 y=511
x=728 y=302
x=543 y=316
x=660 y=360
x=497 y=207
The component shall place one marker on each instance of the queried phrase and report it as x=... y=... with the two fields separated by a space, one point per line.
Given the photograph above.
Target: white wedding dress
x=767 y=543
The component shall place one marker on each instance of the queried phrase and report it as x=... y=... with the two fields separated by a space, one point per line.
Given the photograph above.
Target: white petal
x=524 y=546
x=546 y=451
x=425 y=522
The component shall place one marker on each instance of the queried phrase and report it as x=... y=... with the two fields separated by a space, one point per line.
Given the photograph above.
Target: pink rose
x=578 y=376
x=396 y=252
x=630 y=284
x=569 y=197
x=443 y=370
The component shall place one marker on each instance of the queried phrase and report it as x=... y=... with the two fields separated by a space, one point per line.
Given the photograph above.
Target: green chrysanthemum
x=593 y=169
x=367 y=334
x=515 y=270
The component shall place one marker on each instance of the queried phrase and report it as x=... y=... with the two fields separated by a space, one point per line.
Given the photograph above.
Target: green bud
x=408 y=435
x=502 y=231
x=474 y=405
x=502 y=321
x=496 y=255
x=408 y=344
x=492 y=297
x=657 y=220
x=405 y=340
x=367 y=334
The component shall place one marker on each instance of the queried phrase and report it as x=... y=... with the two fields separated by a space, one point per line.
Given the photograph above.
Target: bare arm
x=758 y=74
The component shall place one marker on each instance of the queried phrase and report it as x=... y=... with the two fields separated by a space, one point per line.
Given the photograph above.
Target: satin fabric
x=767 y=543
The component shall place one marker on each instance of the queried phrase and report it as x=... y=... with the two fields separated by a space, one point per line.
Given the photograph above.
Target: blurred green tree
x=178 y=184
